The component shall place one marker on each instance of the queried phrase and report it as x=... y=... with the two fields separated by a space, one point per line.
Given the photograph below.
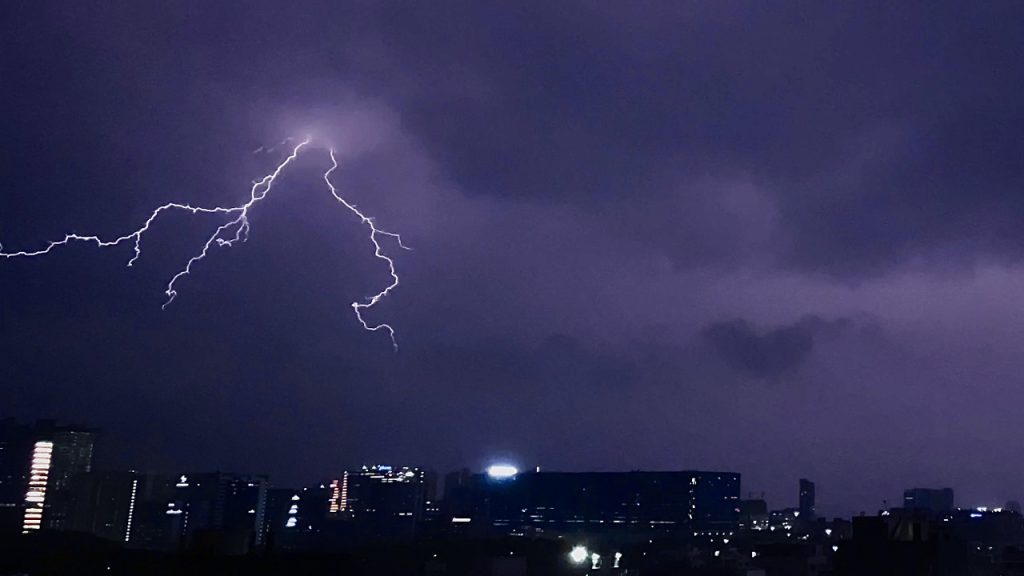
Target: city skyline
x=400 y=519
x=804 y=499
x=780 y=239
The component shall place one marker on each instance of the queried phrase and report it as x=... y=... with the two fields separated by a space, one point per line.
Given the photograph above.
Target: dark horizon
x=779 y=239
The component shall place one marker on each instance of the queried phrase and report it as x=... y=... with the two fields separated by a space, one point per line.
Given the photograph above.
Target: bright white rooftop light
x=502 y=471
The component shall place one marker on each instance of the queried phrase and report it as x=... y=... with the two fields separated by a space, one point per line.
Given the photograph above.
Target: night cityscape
x=62 y=515
x=491 y=288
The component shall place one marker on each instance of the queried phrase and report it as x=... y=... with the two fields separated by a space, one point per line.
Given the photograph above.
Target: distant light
x=501 y=471
x=753 y=554
x=458 y=520
x=717 y=552
x=618 y=558
x=595 y=558
x=578 y=554
x=835 y=548
x=828 y=531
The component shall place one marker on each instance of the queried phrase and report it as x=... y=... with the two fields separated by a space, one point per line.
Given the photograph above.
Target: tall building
x=217 y=511
x=930 y=499
x=381 y=501
x=806 y=505
x=37 y=466
x=753 y=514
x=110 y=505
x=299 y=519
x=71 y=455
x=15 y=459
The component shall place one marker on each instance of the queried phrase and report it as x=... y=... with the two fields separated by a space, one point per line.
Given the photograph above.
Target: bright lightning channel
x=237 y=230
x=374 y=231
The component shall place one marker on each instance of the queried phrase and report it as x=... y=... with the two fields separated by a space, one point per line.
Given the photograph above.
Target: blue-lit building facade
x=684 y=503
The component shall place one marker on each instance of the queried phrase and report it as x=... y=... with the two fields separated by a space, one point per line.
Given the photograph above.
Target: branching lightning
x=374 y=231
x=237 y=230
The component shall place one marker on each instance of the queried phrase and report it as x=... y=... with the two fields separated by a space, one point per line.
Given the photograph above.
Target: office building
x=381 y=501
x=687 y=502
x=929 y=499
x=125 y=507
x=218 y=512
x=753 y=514
x=806 y=504
x=15 y=458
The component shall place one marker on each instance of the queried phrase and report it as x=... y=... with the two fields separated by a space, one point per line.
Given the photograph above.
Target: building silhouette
x=929 y=499
x=806 y=505
x=37 y=466
x=689 y=502
x=381 y=501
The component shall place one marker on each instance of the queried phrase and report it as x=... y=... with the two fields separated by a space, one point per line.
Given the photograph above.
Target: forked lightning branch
x=236 y=229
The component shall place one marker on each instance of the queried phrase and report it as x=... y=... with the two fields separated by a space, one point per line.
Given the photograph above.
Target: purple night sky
x=774 y=238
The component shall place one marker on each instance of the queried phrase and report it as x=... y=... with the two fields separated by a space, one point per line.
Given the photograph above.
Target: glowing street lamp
x=578 y=554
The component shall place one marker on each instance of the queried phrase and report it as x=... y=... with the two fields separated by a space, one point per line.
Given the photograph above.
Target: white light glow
x=500 y=471
x=578 y=554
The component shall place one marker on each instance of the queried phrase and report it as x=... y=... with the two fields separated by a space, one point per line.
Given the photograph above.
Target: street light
x=578 y=554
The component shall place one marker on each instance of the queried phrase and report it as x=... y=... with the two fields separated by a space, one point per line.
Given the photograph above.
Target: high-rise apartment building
x=37 y=466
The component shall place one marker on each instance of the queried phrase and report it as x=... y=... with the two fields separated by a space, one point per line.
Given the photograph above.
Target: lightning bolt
x=377 y=251
x=237 y=230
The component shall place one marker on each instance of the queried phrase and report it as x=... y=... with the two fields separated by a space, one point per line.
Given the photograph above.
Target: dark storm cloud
x=586 y=185
x=880 y=133
x=772 y=352
x=867 y=137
